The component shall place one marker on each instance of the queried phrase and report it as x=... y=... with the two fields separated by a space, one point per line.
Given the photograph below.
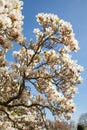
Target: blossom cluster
x=67 y=35
x=58 y=30
x=11 y=22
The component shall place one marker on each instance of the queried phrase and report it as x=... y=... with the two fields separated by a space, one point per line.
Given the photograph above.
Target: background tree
x=57 y=125
x=43 y=75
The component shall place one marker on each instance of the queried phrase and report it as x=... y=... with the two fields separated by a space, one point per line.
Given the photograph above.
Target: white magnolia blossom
x=43 y=75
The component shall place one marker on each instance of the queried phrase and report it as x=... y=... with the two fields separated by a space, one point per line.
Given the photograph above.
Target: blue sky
x=73 y=11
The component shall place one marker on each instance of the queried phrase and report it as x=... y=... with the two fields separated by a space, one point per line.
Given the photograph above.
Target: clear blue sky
x=74 y=11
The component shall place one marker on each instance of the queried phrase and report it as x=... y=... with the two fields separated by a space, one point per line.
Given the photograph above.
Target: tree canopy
x=45 y=65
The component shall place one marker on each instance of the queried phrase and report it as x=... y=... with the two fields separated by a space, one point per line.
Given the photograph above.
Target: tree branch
x=15 y=97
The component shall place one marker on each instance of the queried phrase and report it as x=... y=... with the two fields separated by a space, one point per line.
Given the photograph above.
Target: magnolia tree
x=43 y=75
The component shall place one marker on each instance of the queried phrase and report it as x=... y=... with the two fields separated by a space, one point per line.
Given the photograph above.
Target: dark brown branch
x=8 y=117
x=34 y=105
x=15 y=97
x=36 y=78
x=27 y=106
